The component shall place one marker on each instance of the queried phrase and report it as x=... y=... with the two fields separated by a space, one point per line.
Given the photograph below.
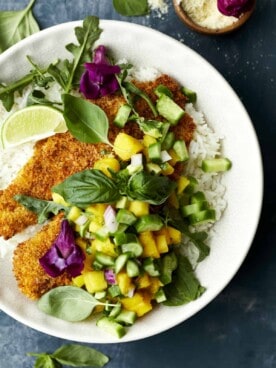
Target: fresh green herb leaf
x=16 y=25
x=80 y=356
x=68 y=74
x=87 y=187
x=38 y=97
x=131 y=7
x=131 y=88
x=41 y=207
x=68 y=303
x=150 y=188
x=86 y=121
x=72 y=355
x=184 y=287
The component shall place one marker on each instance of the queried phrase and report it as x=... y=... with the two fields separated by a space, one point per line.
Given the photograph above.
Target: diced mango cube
x=74 y=213
x=139 y=303
x=124 y=282
x=143 y=281
x=89 y=259
x=174 y=156
x=78 y=281
x=139 y=208
x=94 y=226
x=148 y=140
x=126 y=146
x=182 y=183
x=94 y=281
x=173 y=200
x=175 y=235
x=149 y=246
x=161 y=243
x=154 y=286
x=57 y=198
x=107 y=163
x=164 y=231
x=104 y=246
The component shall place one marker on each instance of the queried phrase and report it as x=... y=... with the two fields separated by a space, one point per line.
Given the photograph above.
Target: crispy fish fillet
x=31 y=277
x=55 y=159
x=60 y=156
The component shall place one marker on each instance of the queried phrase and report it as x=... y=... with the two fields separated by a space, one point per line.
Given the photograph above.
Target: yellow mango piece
x=124 y=282
x=167 y=169
x=175 y=235
x=78 y=281
x=126 y=146
x=149 y=246
x=143 y=281
x=74 y=213
x=89 y=259
x=161 y=243
x=164 y=231
x=105 y=246
x=57 y=198
x=94 y=226
x=182 y=183
x=139 y=208
x=174 y=156
x=94 y=281
x=154 y=286
x=107 y=163
x=139 y=303
x=148 y=140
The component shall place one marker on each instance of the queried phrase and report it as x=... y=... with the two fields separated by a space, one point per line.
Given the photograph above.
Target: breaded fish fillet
x=31 y=277
x=60 y=156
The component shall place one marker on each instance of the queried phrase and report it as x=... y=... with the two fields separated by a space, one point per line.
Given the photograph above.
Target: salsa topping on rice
x=121 y=205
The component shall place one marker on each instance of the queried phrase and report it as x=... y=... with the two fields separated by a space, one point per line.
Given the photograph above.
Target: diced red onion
x=165 y=156
x=110 y=219
x=137 y=159
x=110 y=276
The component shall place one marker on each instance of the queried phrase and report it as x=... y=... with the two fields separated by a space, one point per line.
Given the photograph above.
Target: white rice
x=205 y=144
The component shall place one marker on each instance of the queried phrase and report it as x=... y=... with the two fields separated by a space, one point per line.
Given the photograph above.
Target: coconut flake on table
x=206 y=14
x=160 y=6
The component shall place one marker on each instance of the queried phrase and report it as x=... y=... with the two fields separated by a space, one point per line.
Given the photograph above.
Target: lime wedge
x=31 y=123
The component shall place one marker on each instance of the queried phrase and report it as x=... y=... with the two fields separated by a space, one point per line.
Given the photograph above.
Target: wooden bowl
x=195 y=27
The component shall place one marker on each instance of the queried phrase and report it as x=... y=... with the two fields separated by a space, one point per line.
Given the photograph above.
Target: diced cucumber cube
x=202 y=217
x=112 y=327
x=216 y=165
x=167 y=108
x=191 y=95
x=180 y=149
x=126 y=317
x=122 y=115
x=149 y=222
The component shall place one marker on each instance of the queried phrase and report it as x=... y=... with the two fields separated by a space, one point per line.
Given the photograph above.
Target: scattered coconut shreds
x=160 y=6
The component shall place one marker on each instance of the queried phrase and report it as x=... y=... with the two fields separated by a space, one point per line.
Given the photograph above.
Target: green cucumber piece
x=125 y=217
x=192 y=208
x=167 y=108
x=202 y=217
x=168 y=141
x=150 y=222
x=132 y=246
x=216 y=165
x=191 y=95
x=168 y=265
x=120 y=262
x=155 y=152
x=132 y=268
x=181 y=150
x=160 y=296
x=104 y=259
x=112 y=327
x=153 y=168
x=126 y=317
x=151 y=267
x=161 y=89
x=122 y=115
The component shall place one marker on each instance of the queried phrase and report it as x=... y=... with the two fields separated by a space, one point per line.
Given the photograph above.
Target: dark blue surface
x=238 y=329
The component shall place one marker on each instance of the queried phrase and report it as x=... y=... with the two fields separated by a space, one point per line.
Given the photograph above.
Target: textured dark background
x=238 y=329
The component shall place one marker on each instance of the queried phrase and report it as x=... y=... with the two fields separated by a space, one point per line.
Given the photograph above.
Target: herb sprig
x=72 y=355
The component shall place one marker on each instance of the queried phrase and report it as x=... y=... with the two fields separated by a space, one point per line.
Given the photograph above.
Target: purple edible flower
x=99 y=77
x=234 y=7
x=64 y=254
x=110 y=276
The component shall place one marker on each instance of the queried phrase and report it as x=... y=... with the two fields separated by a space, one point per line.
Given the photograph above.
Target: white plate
x=224 y=112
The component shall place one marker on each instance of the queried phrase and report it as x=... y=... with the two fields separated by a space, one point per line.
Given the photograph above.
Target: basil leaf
x=184 y=287
x=16 y=25
x=87 y=187
x=150 y=188
x=131 y=7
x=41 y=207
x=45 y=361
x=68 y=303
x=80 y=356
x=86 y=121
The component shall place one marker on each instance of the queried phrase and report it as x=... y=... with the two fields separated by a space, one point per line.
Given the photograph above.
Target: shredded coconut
x=206 y=14
x=158 y=5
